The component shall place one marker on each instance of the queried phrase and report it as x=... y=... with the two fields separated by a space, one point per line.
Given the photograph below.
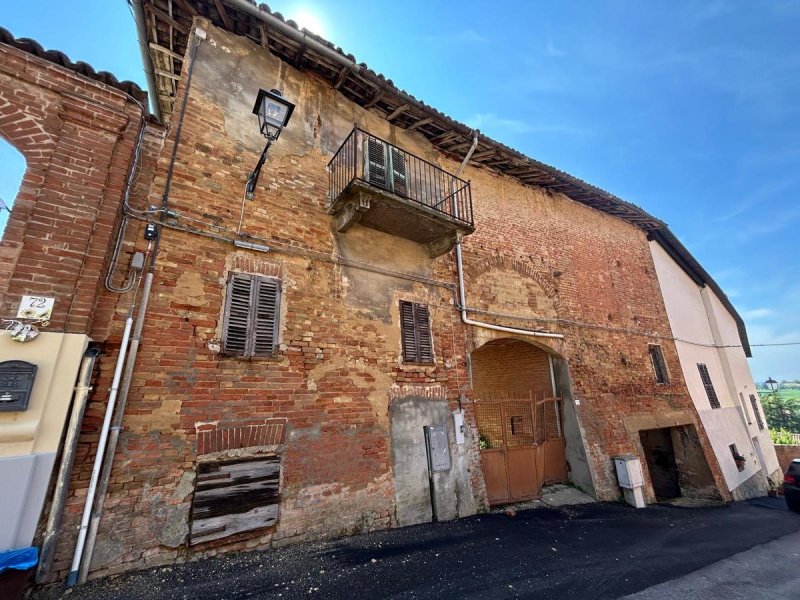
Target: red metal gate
x=522 y=445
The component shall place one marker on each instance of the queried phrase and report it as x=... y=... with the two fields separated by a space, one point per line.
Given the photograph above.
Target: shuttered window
x=415 y=331
x=385 y=166
x=706 y=378
x=251 y=315
x=660 y=368
x=756 y=412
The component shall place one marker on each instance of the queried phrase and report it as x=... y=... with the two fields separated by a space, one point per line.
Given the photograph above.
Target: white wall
x=700 y=323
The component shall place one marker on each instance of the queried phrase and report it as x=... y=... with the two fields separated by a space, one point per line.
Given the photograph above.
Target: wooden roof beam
x=188 y=8
x=162 y=16
x=224 y=15
x=341 y=77
x=262 y=28
x=419 y=123
x=376 y=97
x=400 y=109
x=166 y=51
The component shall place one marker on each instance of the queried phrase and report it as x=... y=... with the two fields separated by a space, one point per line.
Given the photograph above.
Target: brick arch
x=26 y=133
x=544 y=280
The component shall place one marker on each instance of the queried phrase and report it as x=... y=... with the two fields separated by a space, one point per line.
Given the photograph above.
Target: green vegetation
x=782 y=409
x=781 y=436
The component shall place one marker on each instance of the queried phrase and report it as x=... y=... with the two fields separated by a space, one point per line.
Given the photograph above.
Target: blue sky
x=686 y=108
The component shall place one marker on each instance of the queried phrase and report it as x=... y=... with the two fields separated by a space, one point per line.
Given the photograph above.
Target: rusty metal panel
x=495 y=475
x=522 y=445
x=523 y=478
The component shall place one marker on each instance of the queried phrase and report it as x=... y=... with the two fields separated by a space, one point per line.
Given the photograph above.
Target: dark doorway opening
x=660 y=455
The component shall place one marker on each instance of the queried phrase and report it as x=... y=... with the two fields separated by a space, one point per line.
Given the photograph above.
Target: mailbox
x=16 y=383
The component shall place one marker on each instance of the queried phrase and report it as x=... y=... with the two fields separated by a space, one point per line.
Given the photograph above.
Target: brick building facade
x=560 y=273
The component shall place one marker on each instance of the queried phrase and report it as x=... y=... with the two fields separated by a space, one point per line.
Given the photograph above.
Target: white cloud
x=757 y=313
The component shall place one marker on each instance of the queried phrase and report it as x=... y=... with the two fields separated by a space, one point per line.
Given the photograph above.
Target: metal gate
x=522 y=445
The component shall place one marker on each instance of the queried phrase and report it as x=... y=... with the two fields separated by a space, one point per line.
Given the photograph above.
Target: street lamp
x=772 y=384
x=274 y=112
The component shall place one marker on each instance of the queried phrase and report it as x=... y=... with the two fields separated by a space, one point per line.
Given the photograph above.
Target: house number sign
x=36 y=307
x=16 y=383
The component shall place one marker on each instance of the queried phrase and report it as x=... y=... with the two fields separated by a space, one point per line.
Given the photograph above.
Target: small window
x=756 y=412
x=415 y=331
x=660 y=368
x=250 y=325
x=712 y=395
x=737 y=458
x=385 y=166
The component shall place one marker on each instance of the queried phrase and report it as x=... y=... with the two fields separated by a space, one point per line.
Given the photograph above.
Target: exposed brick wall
x=555 y=264
x=77 y=137
x=786 y=454
x=507 y=366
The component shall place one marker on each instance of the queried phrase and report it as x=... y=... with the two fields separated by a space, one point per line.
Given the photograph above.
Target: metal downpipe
x=82 y=389
x=98 y=459
x=462 y=296
x=141 y=36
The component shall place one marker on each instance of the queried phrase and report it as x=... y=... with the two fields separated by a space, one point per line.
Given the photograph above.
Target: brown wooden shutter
x=407 y=333
x=266 y=309
x=415 y=332
x=423 y=327
x=236 y=326
x=710 y=392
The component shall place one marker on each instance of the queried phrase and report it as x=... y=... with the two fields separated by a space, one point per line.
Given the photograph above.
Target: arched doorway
x=519 y=418
x=13 y=168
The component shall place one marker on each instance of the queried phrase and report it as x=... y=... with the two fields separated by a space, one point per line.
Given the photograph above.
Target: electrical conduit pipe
x=82 y=390
x=98 y=459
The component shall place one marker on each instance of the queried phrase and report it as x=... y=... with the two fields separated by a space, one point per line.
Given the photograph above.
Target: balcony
x=376 y=184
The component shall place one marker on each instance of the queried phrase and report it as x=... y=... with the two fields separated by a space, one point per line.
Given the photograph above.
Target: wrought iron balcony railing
x=368 y=160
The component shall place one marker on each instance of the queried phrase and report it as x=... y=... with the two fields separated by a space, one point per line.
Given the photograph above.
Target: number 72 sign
x=36 y=307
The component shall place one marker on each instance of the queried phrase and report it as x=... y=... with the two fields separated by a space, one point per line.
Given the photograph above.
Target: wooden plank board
x=235 y=496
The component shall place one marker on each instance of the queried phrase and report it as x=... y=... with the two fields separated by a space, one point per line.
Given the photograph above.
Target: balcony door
x=385 y=166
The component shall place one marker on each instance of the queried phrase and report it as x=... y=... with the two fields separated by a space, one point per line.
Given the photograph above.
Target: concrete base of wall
x=755 y=486
x=454 y=496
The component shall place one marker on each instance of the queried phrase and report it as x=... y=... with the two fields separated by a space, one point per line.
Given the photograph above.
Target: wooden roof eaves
x=358 y=75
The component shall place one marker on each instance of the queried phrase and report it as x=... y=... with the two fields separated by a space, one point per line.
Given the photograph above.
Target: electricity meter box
x=631 y=479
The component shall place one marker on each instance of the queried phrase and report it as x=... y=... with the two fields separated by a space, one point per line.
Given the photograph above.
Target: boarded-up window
x=235 y=496
x=415 y=331
x=250 y=325
x=706 y=378
x=756 y=412
x=660 y=368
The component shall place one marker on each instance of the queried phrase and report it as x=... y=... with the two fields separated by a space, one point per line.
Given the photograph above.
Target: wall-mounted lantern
x=274 y=112
x=16 y=383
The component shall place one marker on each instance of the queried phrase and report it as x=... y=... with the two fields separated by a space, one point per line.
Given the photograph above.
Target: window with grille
x=756 y=412
x=660 y=368
x=706 y=378
x=415 y=332
x=250 y=326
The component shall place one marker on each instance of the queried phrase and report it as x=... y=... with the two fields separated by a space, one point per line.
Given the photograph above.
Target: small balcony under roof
x=376 y=184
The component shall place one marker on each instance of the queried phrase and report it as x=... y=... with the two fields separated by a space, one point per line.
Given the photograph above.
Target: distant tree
x=782 y=412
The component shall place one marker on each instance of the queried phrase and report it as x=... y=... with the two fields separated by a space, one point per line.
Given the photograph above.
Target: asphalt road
x=592 y=551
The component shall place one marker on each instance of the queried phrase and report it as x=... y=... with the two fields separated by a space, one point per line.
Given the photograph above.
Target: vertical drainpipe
x=82 y=390
x=108 y=463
